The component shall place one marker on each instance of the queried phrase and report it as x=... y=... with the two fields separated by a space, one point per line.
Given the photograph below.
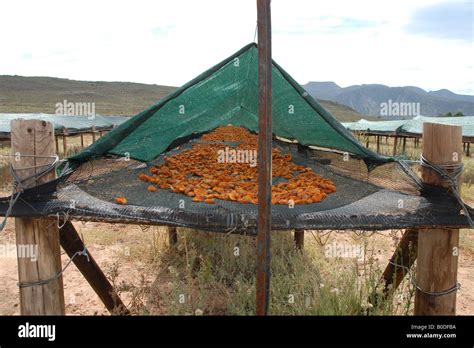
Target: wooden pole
x=172 y=236
x=395 y=143
x=93 y=134
x=404 y=144
x=404 y=256
x=33 y=140
x=57 y=144
x=378 y=143
x=72 y=243
x=82 y=140
x=299 y=239
x=64 y=142
x=438 y=247
x=264 y=155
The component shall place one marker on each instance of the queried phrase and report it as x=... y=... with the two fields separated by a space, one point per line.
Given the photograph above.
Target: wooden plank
x=35 y=137
x=264 y=155
x=72 y=243
x=437 y=247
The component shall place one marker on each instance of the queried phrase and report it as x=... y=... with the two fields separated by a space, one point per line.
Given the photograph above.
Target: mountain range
x=370 y=99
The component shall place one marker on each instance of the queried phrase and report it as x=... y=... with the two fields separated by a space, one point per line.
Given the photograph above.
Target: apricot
x=121 y=200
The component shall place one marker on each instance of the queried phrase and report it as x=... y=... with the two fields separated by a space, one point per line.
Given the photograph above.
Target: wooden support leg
x=64 y=142
x=404 y=256
x=378 y=143
x=404 y=144
x=395 y=143
x=39 y=253
x=82 y=140
x=172 y=236
x=72 y=243
x=437 y=267
x=438 y=248
x=299 y=239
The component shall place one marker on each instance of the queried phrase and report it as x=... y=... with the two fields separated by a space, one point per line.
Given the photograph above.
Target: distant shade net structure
x=373 y=192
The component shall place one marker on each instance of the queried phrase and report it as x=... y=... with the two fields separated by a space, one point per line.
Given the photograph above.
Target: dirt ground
x=126 y=244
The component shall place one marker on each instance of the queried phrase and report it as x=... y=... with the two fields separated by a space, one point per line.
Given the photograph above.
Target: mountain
x=446 y=93
x=373 y=99
x=40 y=94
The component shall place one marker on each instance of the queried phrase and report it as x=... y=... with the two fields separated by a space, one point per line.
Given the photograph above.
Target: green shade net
x=228 y=94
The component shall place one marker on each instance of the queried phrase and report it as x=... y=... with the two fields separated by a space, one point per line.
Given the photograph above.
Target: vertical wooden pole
x=172 y=236
x=57 y=144
x=299 y=239
x=404 y=144
x=64 y=142
x=35 y=137
x=395 y=143
x=82 y=140
x=264 y=155
x=378 y=143
x=468 y=154
x=438 y=247
x=93 y=134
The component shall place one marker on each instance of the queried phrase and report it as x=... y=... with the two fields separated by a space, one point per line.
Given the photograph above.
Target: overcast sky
x=422 y=43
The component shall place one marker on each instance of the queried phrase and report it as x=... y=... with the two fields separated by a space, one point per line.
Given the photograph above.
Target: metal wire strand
x=57 y=275
x=19 y=184
x=408 y=271
x=450 y=173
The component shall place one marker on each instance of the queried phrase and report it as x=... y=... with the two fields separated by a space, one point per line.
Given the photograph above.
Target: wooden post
x=72 y=243
x=82 y=140
x=299 y=239
x=93 y=134
x=437 y=247
x=404 y=144
x=172 y=236
x=57 y=144
x=264 y=155
x=404 y=256
x=468 y=150
x=378 y=143
x=395 y=143
x=64 y=142
x=36 y=138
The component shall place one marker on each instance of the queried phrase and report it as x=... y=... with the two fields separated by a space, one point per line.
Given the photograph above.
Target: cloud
x=446 y=20
x=170 y=42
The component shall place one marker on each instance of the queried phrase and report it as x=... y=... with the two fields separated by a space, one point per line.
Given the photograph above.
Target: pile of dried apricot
x=215 y=170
